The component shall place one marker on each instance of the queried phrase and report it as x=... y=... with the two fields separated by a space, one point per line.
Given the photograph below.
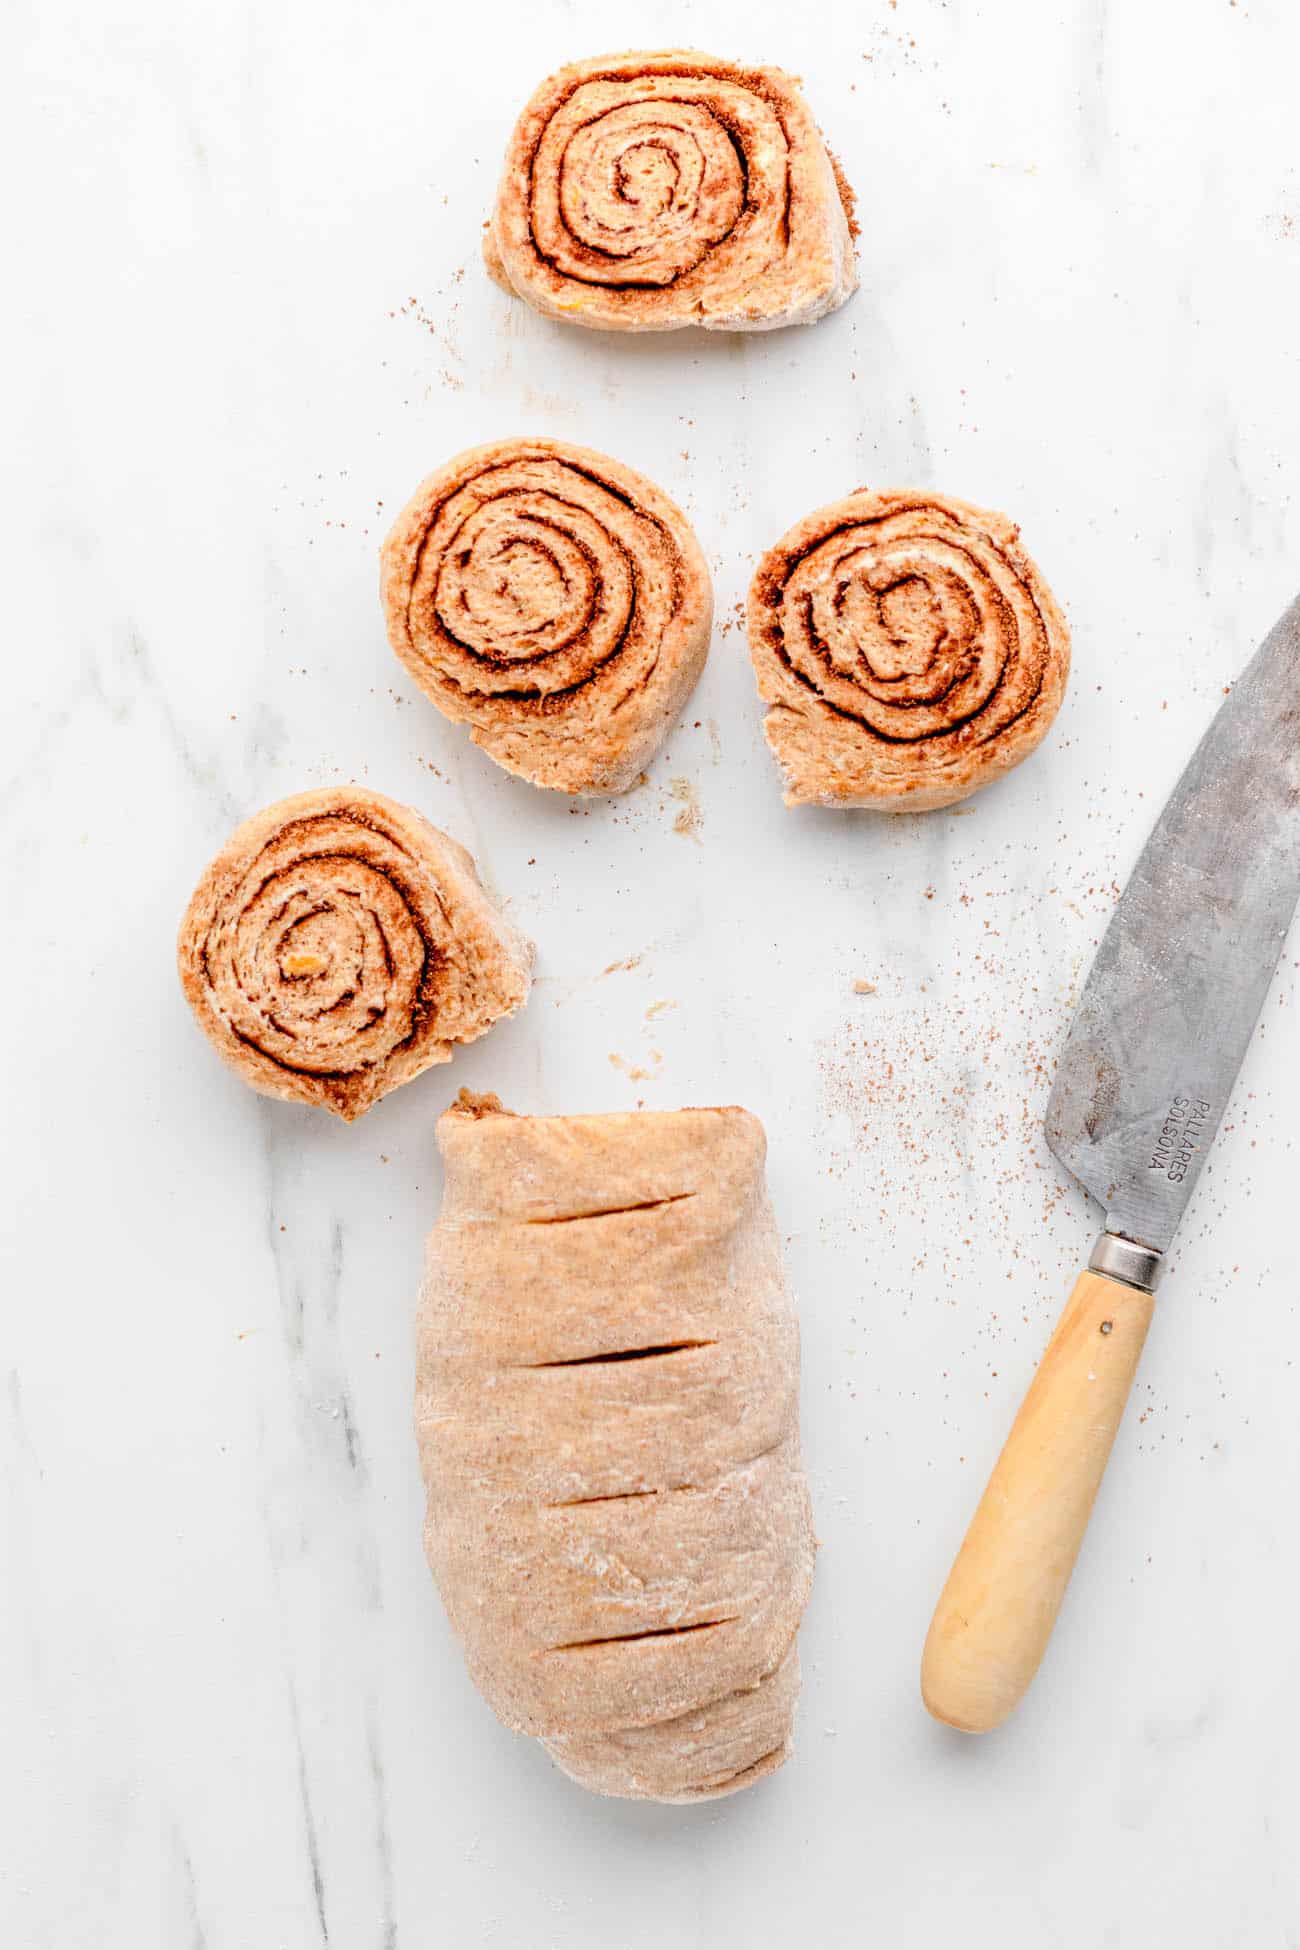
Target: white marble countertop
x=246 y=315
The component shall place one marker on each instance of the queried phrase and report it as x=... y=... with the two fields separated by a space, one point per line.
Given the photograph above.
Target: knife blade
x=1180 y=977
x=1160 y=1032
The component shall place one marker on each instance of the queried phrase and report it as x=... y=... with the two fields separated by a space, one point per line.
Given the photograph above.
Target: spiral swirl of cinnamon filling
x=338 y=945
x=643 y=192
x=555 y=602
x=909 y=650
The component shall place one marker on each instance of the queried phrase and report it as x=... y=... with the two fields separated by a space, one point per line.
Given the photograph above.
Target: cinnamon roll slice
x=339 y=944
x=908 y=648
x=644 y=192
x=555 y=602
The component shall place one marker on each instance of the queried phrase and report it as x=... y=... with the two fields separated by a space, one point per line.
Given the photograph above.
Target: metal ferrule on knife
x=1124 y=1259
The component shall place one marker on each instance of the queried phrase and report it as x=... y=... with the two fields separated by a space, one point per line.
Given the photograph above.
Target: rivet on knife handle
x=992 y=1623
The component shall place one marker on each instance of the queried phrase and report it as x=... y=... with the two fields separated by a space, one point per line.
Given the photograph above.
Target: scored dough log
x=644 y=192
x=556 y=602
x=909 y=649
x=607 y=1415
x=339 y=944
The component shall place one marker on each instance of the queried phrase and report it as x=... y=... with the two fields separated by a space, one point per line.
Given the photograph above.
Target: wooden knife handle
x=992 y=1623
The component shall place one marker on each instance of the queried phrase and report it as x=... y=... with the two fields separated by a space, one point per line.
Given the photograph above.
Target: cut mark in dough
x=610 y=1211
x=624 y=1354
x=762 y=1764
x=620 y=1496
x=661 y=1632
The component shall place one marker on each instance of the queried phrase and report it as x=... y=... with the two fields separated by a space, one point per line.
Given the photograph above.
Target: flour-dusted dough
x=643 y=192
x=909 y=650
x=556 y=602
x=339 y=944
x=607 y=1414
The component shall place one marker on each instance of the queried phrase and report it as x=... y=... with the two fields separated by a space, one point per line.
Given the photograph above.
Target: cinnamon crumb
x=475 y=1104
x=691 y=817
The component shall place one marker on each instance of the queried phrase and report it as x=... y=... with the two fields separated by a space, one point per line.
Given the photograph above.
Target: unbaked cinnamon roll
x=339 y=944
x=908 y=649
x=607 y=1408
x=643 y=192
x=554 y=601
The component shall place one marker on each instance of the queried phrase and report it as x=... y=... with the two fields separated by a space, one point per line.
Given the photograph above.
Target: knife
x=1160 y=1032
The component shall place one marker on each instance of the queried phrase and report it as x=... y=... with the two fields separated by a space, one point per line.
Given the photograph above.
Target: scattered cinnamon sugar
x=691 y=817
x=636 y=1071
x=934 y=1097
x=736 y=620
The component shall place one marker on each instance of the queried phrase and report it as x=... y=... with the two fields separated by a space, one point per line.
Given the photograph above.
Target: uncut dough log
x=607 y=1416
x=908 y=648
x=339 y=944
x=644 y=192
x=556 y=602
